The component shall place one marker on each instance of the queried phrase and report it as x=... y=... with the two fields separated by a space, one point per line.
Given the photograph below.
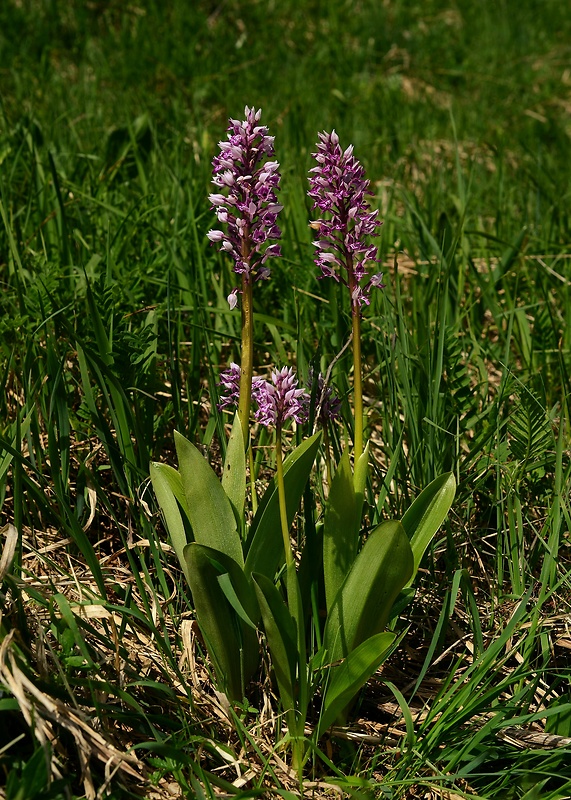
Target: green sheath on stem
x=247 y=358
x=357 y=383
x=357 y=380
x=282 y=498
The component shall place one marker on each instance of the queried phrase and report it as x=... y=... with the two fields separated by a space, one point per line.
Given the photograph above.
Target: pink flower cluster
x=280 y=398
x=277 y=400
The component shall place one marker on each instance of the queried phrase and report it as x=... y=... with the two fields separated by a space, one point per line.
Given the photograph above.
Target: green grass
x=114 y=325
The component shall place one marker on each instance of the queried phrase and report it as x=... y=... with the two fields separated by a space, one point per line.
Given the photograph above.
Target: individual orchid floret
x=280 y=399
x=338 y=188
x=246 y=204
x=327 y=403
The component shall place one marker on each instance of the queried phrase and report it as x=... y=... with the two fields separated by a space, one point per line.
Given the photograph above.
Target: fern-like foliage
x=530 y=430
x=463 y=398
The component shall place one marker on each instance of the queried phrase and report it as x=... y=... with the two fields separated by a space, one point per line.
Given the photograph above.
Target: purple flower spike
x=280 y=399
x=338 y=187
x=246 y=203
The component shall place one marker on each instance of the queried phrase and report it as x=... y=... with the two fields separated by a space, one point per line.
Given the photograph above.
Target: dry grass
x=62 y=714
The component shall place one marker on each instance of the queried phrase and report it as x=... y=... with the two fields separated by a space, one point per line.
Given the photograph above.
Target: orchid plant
x=246 y=579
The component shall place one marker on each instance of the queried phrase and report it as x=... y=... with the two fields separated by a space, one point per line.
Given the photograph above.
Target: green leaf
x=343 y=522
x=347 y=678
x=281 y=634
x=33 y=780
x=234 y=474
x=70 y=620
x=230 y=594
x=403 y=599
x=209 y=510
x=509 y=255
x=9 y=704
x=407 y=714
x=295 y=608
x=426 y=515
x=560 y=722
x=340 y=541
x=12 y=435
x=231 y=642
x=167 y=485
x=363 y=604
x=104 y=346
x=265 y=543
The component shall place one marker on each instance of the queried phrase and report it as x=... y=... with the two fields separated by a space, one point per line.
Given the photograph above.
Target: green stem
x=298 y=758
x=357 y=382
x=353 y=284
x=247 y=358
x=282 y=498
x=298 y=714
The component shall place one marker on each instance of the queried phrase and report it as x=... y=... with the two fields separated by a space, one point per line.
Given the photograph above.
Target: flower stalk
x=278 y=400
x=282 y=499
x=246 y=358
x=357 y=386
x=246 y=205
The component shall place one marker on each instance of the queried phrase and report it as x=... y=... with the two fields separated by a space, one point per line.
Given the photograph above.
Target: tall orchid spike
x=247 y=207
x=338 y=188
x=246 y=203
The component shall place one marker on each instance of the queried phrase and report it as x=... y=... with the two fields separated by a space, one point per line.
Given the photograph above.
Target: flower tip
x=233 y=299
x=377 y=280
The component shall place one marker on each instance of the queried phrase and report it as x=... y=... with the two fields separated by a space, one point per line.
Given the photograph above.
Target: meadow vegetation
x=114 y=327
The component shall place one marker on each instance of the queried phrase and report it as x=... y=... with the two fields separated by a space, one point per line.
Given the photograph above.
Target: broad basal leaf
x=347 y=678
x=232 y=643
x=167 y=485
x=234 y=474
x=426 y=515
x=340 y=537
x=209 y=510
x=363 y=604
